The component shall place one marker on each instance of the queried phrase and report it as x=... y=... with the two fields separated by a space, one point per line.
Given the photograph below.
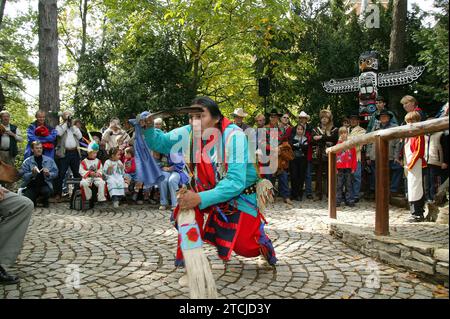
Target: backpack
x=78 y=203
x=76 y=200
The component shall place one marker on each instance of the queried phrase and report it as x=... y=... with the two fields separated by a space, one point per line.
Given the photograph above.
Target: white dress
x=415 y=186
x=115 y=180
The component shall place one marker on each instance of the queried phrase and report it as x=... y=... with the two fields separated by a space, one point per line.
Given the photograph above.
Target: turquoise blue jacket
x=240 y=174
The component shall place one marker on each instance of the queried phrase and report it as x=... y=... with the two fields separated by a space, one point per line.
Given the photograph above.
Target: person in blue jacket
x=223 y=181
x=40 y=131
x=38 y=172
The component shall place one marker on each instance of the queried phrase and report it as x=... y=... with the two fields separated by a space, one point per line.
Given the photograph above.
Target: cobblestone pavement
x=128 y=252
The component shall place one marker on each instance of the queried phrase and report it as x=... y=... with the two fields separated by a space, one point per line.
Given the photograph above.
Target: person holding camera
x=114 y=136
x=67 y=152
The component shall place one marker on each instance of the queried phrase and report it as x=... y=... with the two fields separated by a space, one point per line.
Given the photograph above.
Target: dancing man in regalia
x=225 y=185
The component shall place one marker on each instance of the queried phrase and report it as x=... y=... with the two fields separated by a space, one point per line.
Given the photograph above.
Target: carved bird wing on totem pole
x=346 y=85
x=400 y=77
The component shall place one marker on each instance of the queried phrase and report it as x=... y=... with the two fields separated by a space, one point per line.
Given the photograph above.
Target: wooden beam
x=382 y=187
x=416 y=129
x=332 y=185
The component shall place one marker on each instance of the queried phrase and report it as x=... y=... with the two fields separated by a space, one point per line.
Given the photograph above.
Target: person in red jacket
x=346 y=164
x=414 y=158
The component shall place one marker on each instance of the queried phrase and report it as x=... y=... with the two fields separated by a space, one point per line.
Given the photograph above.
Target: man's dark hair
x=35 y=143
x=39 y=112
x=209 y=103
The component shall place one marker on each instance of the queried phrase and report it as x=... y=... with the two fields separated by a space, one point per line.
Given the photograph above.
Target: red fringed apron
x=225 y=224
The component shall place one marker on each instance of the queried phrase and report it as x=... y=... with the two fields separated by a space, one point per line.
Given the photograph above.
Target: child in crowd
x=101 y=154
x=174 y=176
x=299 y=164
x=130 y=174
x=414 y=151
x=91 y=174
x=114 y=172
x=346 y=164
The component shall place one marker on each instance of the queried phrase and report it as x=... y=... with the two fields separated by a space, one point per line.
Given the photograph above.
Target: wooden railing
x=381 y=139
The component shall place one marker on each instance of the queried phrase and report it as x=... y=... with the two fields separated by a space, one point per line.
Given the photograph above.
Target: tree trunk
x=2 y=11
x=48 y=60
x=2 y=98
x=83 y=14
x=2 y=95
x=397 y=50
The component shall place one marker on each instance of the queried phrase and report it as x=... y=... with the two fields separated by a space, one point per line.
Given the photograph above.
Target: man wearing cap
x=373 y=122
x=395 y=165
x=354 y=131
x=238 y=116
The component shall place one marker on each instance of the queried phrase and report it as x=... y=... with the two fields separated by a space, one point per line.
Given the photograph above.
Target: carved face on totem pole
x=368 y=65
x=368 y=61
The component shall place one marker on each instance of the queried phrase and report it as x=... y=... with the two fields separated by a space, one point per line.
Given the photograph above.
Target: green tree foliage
x=432 y=43
x=151 y=55
x=16 y=65
x=16 y=51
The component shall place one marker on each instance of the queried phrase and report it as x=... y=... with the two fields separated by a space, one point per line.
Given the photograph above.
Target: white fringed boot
x=199 y=275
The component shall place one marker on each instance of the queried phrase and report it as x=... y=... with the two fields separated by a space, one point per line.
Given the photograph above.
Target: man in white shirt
x=67 y=151
x=9 y=137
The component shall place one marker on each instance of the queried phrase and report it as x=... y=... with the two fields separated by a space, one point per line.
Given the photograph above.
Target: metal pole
x=382 y=187
x=265 y=105
x=332 y=184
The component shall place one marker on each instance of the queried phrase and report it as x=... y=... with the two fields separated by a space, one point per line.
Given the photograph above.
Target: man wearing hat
x=226 y=193
x=239 y=116
x=381 y=105
x=354 y=131
x=395 y=165
x=303 y=118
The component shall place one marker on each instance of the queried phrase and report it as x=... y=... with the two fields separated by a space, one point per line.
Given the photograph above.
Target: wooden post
x=382 y=187
x=332 y=184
